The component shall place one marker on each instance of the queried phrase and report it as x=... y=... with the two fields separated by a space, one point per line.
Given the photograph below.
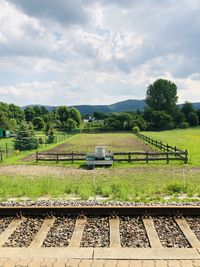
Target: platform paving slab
x=140 y=253
x=47 y=253
x=196 y=263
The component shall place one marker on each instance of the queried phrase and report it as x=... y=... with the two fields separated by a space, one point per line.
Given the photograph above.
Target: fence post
x=36 y=156
x=161 y=145
x=57 y=158
x=129 y=157
x=72 y=156
x=186 y=156
x=175 y=149
x=6 y=149
x=167 y=147
x=167 y=157
x=147 y=156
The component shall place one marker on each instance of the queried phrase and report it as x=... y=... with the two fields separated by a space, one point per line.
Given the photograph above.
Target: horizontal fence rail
x=178 y=153
x=144 y=156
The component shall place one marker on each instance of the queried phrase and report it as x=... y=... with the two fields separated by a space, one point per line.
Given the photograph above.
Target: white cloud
x=96 y=52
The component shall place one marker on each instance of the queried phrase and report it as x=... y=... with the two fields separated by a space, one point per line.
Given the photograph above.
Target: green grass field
x=133 y=184
x=153 y=182
x=183 y=139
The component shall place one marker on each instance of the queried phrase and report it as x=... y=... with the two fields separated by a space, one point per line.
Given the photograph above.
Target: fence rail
x=178 y=153
x=144 y=156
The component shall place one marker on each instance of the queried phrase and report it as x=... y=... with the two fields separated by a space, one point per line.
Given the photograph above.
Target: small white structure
x=99 y=158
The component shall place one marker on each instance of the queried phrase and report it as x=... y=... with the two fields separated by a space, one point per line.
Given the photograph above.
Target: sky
x=72 y=52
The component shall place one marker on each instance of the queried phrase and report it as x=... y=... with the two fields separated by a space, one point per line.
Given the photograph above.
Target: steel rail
x=99 y=210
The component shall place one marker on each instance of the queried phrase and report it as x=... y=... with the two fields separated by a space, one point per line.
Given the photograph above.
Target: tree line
x=161 y=112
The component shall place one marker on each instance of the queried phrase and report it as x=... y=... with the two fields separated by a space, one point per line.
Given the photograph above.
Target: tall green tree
x=25 y=139
x=29 y=113
x=162 y=96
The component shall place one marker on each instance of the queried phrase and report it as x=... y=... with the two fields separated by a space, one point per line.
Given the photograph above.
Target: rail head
x=100 y=210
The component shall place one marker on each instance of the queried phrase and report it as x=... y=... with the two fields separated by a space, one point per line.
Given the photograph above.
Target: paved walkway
x=97 y=263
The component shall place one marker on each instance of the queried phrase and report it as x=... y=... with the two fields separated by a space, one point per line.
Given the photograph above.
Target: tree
x=25 y=139
x=70 y=124
x=75 y=115
x=13 y=125
x=63 y=113
x=198 y=114
x=29 y=113
x=187 y=108
x=160 y=120
x=179 y=117
x=38 y=123
x=125 y=121
x=162 y=96
x=51 y=137
x=193 y=119
x=4 y=121
x=16 y=113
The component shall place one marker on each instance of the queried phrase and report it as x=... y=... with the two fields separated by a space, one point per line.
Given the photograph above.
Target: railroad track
x=167 y=232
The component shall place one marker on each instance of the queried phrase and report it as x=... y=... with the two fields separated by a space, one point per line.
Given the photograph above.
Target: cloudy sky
x=68 y=52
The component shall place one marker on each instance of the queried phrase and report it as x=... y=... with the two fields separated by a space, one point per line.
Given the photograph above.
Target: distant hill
x=127 y=105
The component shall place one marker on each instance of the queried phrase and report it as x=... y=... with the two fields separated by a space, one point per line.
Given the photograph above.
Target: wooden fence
x=178 y=153
x=144 y=156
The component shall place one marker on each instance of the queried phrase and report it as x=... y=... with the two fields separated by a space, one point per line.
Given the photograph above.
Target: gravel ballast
x=132 y=232
x=169 y=233
x=96 y=233
x=25 y=233
x=4 y=222
x=194 y=223
x=61 y=232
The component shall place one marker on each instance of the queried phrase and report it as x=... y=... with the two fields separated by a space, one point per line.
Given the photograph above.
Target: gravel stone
x=25 y=233
x=133 y=233
x=96 y=233
x=4 y=222
x=60 y=233
x=194 y=223
x=169 y=233
x=43 y=203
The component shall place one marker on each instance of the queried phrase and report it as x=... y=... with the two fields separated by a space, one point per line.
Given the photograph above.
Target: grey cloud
x=62 y=11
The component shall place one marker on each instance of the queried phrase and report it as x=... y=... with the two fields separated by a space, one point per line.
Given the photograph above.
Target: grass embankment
x=164 y=184
x=183 y=139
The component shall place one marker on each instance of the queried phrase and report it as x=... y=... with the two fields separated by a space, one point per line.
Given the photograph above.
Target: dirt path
x=59 y=171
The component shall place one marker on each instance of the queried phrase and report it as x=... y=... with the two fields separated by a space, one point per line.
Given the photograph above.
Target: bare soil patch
x=84 y=143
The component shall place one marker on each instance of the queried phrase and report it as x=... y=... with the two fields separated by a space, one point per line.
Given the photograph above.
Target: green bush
x=136 y=129
x=184 y=125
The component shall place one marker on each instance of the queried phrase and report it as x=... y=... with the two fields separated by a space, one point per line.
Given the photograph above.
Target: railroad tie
x=9 y=230
x=151 y=233
x=77 y=233
x=42 y=233
x=188 y=233
x=114 y=233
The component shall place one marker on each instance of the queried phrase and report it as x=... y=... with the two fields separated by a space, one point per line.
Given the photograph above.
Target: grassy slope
x=182 y=138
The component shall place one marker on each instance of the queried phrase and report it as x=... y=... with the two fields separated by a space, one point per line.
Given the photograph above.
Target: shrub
x=136 y=129
x=184 y=125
